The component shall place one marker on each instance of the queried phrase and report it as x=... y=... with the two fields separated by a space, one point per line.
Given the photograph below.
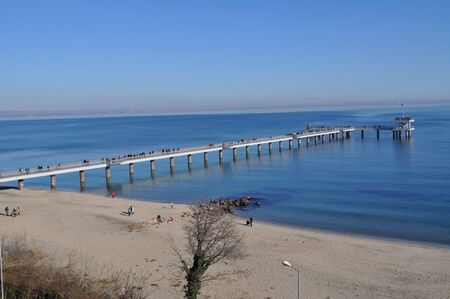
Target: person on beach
x=18 y=211
x=14 y=212
x=130 y=209
x=158 y=218
x=7 y=211
x=113 y=194
x=251 y=221
x=171 y=205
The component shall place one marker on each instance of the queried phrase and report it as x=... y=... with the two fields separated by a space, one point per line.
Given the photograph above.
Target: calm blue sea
x=383 y=188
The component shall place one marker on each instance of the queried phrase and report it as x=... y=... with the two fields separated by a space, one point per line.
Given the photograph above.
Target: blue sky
x=183 y=56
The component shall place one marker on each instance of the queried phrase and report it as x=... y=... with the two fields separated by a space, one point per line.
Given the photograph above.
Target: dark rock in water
x=228 y=204
x=232 y=202
x=245 y=201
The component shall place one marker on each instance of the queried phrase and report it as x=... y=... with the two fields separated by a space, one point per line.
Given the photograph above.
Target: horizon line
x=133 y=112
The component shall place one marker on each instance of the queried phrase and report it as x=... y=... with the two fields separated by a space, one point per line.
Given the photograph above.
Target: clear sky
x=183 y=56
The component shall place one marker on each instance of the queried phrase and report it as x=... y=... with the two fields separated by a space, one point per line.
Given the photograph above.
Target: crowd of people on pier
x=239 y=141
x=41 y=168
x=141 y=154
x=321 y=129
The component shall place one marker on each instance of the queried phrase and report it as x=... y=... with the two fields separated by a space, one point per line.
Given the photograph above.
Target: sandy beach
x=332 y=266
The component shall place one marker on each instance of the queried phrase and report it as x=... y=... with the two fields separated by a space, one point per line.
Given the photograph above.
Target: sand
x=331 y=265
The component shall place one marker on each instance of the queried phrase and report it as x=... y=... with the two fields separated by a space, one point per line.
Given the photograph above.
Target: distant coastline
x=47 y=115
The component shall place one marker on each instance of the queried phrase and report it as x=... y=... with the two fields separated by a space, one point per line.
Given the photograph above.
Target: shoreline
x=356 y=235
x=332 y=265
x=266 y=222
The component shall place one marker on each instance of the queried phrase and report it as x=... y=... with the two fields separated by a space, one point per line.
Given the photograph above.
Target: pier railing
x=49 y=168
x=160 y=153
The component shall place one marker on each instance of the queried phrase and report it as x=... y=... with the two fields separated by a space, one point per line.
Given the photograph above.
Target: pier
x=402 y=127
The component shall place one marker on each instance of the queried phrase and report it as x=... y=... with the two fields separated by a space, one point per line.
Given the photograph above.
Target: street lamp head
x=287 y=264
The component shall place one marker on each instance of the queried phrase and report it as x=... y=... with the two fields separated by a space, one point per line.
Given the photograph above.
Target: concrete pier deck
x=52 y=170
x=256 y=141
x=166 y=155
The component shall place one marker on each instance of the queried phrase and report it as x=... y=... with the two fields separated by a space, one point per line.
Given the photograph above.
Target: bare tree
x=212 y=237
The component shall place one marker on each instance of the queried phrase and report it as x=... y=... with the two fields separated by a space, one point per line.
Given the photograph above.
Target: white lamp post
x=1 y=270
x=287 y=264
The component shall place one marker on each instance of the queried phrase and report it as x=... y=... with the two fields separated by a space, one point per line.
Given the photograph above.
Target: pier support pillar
x=108 y=184
x=315 y=139
x=152 y=168
x=290 y=144
x=270 y=147
x=205 y=159
x=280 y=145
x=307 y=141
x=82 y=180
x=108 y=172
x=330 y=138
x=322 y=138
x=131 y=171
x=131 y=168
x=53 y=182
x=189 y=161
x=378 y=134
x=259 y=149
x=108 y=177
x=299 y=143
x=247 y=151
x=362 y=134
x=20 y=184
x=220 y=156
x=234 y=153
x=172 y=165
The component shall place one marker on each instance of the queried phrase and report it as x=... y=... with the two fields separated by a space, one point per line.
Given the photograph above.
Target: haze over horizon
x=182 y=57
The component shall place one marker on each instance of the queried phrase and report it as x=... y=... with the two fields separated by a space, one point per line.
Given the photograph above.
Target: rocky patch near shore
x=229 y=204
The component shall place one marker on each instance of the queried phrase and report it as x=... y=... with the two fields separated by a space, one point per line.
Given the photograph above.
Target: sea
x=383 y=188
